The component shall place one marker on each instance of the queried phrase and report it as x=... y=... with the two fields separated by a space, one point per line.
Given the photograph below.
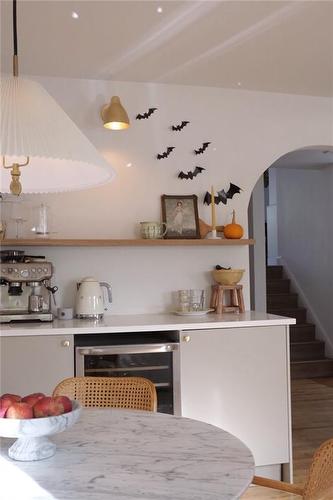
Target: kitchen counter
x=220 y=364
x=144 y=323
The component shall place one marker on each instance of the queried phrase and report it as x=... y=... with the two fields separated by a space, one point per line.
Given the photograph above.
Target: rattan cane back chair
x=136 y=393
x=319 y=482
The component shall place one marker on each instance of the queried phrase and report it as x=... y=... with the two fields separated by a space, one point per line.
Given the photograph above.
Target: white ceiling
x=274 y=46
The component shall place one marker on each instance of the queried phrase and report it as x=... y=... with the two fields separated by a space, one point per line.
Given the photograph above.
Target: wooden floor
x=312 y=415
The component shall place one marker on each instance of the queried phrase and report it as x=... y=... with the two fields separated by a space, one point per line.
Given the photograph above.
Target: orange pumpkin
x=233 y=230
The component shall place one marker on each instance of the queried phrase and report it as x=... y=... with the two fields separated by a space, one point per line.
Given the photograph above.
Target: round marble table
x=118 y=454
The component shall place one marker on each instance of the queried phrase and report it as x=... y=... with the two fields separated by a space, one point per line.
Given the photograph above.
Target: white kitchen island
x=233 y=370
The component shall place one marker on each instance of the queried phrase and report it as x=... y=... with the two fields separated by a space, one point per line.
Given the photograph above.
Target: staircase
x=307 y=354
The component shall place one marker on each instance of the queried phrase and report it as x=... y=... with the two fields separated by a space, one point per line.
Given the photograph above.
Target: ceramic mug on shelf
x=153 y=230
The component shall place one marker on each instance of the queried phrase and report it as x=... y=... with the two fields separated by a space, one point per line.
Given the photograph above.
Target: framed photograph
x=180 y=213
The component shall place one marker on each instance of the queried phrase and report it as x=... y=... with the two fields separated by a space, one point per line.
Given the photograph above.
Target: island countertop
x=143 y=323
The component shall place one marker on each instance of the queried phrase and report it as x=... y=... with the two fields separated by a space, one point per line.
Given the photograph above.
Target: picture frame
x=180 y=214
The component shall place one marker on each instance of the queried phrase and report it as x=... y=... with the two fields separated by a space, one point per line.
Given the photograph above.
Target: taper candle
x=213 y=209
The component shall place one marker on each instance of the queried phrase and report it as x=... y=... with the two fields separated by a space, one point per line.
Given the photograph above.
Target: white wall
x=248 y=130
x=305 y=235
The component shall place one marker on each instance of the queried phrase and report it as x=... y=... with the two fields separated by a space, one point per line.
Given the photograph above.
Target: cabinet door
x=35 y=363
x=237 y=379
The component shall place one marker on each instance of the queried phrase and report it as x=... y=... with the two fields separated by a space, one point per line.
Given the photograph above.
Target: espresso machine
x=25 y=287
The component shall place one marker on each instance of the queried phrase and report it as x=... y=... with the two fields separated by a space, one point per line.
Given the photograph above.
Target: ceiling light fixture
x=75 y=15
x=38 y=137
x=160 y=10
x=114 y=115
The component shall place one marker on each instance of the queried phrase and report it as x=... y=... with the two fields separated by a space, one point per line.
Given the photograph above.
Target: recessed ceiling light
x=75 y=15
x=129 y=164
x=239 y=84
x=159 y=10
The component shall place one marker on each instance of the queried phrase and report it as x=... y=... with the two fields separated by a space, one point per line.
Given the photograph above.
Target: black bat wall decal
x=145 y=116
x=166 y=153
x=178 y=128
x=202 y=149
x=208 y=199
x=222 y=196
x=190 y=175
x=233 y=189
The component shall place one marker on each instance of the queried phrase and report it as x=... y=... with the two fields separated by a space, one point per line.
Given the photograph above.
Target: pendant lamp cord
x=15 y=57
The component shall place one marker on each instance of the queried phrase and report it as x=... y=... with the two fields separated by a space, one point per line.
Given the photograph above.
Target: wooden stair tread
x=302 y=325
x=312 y=361
x=307 y=350
x=289 y=312
x=275 y=281
x=315 y=341
x=288 y=309
x=302 y=332
x=316 y=368
x=273 y=272
x=282 y=300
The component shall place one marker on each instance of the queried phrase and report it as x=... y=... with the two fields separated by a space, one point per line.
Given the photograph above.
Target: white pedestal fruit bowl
x=32 y=442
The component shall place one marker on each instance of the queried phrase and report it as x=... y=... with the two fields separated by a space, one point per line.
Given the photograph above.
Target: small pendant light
x=40 y=143
x=114 y=115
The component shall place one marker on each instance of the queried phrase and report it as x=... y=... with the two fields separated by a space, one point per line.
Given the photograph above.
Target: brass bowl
x=228 y=276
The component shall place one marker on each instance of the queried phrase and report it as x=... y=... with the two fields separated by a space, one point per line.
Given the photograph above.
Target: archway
x=295 y=203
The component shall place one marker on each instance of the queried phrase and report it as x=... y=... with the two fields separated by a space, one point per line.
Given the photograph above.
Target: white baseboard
x=321 y=331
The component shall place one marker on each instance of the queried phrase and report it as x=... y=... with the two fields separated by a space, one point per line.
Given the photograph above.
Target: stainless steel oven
x=157 y=361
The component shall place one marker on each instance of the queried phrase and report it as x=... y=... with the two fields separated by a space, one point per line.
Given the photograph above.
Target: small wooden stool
x=236 y=298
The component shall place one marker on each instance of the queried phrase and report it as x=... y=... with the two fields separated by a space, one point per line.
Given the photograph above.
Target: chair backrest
x=320 y=476
x=136 y=393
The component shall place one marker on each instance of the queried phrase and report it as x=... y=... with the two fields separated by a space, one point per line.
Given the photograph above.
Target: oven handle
x=127 y=349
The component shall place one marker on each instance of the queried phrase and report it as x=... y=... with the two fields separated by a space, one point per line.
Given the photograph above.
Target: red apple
x=13 y=397
x=47 y=407
x=5 y=403
x=32 y=399
x=42 y=407
x=19 y=410
x=64 y=402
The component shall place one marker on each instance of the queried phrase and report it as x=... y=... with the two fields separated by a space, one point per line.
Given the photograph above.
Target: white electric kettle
x=89 y=302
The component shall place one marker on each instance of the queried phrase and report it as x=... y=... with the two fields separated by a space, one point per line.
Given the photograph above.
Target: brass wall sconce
x=114 y=115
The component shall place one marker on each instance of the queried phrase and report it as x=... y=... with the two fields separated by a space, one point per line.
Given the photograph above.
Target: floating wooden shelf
x=109 y=243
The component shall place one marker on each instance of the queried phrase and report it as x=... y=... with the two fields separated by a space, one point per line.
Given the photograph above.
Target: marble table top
x=114 y=454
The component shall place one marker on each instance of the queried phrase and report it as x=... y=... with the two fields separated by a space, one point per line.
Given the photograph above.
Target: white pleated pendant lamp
x=60 y=156
x=42 y=149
